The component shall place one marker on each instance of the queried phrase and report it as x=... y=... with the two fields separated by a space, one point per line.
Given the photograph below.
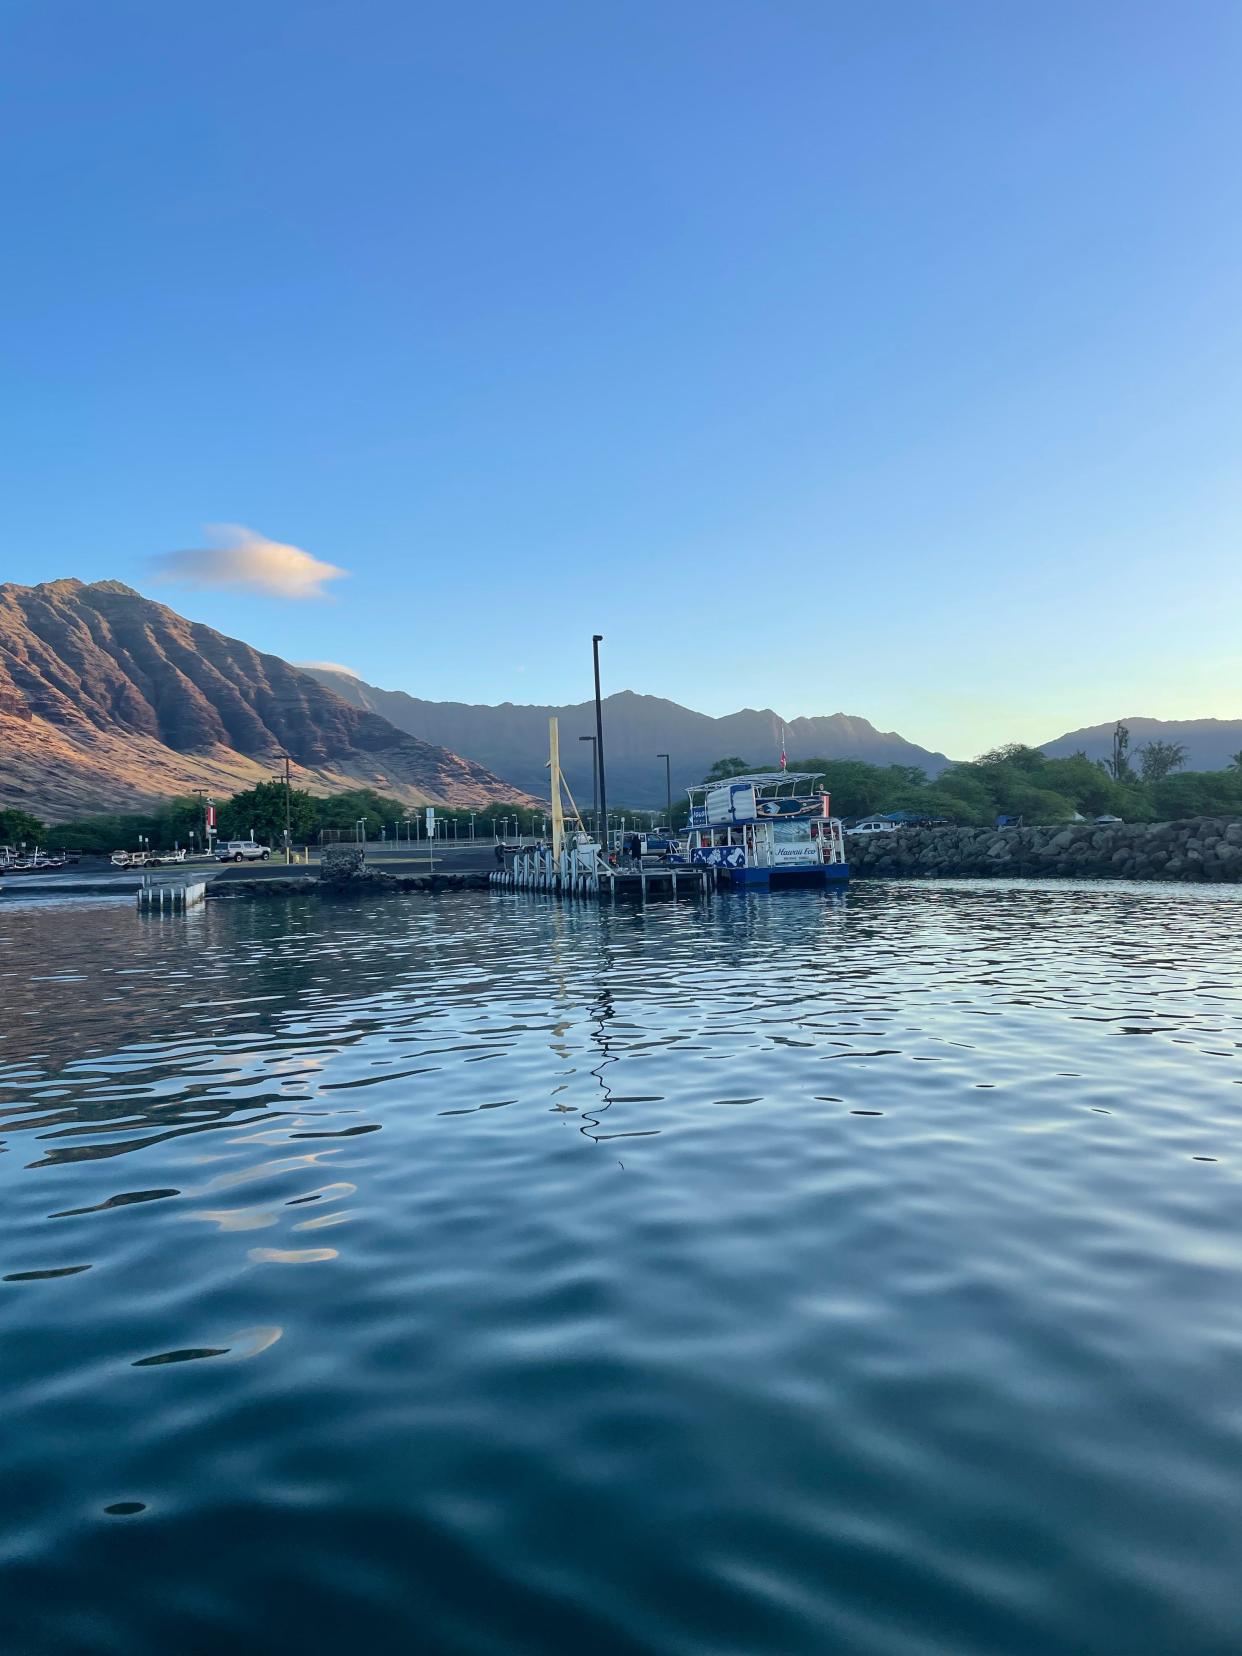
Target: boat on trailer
x=769 y=828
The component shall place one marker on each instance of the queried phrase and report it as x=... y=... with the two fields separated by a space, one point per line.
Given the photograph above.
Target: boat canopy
x=757 y=780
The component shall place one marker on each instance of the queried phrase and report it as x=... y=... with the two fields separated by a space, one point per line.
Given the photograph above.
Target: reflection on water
x=784 y=1275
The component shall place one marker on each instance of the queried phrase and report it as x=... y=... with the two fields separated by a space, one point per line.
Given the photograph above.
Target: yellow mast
x=554 y=765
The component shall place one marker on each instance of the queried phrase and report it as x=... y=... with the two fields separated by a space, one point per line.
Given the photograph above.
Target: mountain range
x=109 y=700
x=1210 y=744
x=513 y=739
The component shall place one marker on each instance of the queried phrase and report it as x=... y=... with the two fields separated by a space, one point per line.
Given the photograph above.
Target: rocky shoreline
x=1201 y=849
x=344 y=873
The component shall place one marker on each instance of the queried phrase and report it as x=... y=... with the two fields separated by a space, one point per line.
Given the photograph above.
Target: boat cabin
x=775 y=827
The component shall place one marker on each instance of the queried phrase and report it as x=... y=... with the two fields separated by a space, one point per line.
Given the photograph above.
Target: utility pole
x=596 y=640
x=208 y=825
x=288 y=815
x=668 y=784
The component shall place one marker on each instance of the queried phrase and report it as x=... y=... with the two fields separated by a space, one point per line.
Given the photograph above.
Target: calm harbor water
x=854 y=1274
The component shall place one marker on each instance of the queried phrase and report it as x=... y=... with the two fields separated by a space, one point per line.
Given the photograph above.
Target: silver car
x=242 y=851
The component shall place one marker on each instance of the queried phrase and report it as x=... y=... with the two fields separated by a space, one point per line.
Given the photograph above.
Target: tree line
x=261 y=809
x=1149 y=784
x=1146 y=785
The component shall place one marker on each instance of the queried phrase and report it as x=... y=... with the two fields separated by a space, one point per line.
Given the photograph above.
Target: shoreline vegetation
x=261 y=809
x=1148 y=785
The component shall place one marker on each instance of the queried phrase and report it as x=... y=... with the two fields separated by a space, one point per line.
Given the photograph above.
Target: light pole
x=596 y=640
x=594 y=783
x=668 y=784
x=472 y=825
x=288 y=813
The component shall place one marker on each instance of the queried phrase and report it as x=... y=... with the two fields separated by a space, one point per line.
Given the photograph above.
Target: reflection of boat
x=773 y=827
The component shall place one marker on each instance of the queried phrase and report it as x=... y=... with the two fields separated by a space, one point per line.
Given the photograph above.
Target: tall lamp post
x=596 y=640
x=288 y=808
x=668 y=784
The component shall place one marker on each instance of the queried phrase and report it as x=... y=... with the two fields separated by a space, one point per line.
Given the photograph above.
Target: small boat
x=770 y=828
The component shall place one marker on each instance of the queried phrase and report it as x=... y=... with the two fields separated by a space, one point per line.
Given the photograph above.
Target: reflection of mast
x=602 y=1011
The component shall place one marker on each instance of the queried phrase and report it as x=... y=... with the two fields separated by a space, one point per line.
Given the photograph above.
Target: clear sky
x=879 y=357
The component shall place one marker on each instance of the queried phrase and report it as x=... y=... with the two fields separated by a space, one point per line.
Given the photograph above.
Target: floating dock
x=170 y=896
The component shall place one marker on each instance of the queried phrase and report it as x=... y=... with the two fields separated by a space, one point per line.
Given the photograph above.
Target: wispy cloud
x=247 y=561
x=328 y=667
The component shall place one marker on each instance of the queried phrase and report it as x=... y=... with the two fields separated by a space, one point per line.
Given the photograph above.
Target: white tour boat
x=771 y=828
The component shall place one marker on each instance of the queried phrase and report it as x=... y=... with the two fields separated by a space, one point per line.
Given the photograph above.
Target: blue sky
x=882 y=358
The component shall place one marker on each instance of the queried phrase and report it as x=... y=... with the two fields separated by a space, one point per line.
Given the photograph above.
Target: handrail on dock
x=583 y=874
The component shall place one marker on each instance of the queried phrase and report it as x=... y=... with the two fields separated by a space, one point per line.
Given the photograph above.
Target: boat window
x=788 y=831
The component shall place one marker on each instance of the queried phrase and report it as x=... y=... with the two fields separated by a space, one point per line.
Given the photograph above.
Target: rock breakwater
x=1199 y=849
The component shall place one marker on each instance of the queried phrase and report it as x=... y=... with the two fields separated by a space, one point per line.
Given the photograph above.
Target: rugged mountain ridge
x=636 y=728
x=108 y=698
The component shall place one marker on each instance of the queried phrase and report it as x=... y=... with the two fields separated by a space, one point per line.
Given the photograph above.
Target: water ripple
x=456 y=1297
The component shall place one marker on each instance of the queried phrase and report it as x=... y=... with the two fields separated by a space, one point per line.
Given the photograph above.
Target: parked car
x=1107 y=820
x=242 y=851
x=874 y=825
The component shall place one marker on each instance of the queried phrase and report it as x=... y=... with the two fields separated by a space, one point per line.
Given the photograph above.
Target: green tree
x=1017 y=755
x=1197 y=793
x=16 y=826
x=343 y=810
x=1157 y=759
x=262 y=809
x=725 y=768
x=181 y=817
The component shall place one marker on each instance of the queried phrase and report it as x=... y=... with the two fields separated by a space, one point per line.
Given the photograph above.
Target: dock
x=582 y=875
x=157 y=896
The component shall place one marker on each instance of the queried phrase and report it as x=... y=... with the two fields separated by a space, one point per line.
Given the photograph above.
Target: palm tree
x=1159 y=758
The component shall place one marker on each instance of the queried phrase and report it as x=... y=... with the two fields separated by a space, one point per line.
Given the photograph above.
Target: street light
x=668 y=783
x=472 y=825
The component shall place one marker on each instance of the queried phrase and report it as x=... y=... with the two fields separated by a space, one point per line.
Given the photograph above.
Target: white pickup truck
x=242 y=851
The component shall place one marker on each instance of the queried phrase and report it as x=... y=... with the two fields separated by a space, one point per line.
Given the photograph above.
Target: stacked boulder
x=344 y=865
x=1199 y=849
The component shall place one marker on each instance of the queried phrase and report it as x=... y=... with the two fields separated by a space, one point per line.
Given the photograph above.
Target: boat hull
x=827 y=874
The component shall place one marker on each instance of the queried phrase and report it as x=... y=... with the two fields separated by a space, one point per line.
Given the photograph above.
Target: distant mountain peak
x=108 y=698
